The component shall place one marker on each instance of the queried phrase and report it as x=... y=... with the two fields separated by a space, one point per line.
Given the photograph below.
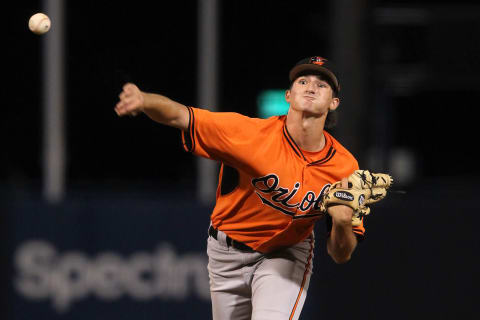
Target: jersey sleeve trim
x=188 y=136
x=360 y=236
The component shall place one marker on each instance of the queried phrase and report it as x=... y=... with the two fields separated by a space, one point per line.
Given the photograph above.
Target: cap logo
x=318 y=60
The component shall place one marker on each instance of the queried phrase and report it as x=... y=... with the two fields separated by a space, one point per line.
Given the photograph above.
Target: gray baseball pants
x=256 y=286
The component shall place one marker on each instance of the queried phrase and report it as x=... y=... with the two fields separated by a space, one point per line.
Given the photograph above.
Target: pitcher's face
x=312 y=95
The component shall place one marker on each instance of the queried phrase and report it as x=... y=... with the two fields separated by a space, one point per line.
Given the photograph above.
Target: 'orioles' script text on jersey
x=269 y=189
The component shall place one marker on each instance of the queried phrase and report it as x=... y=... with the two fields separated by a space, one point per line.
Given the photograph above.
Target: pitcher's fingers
x=123 y=108
x=129 y=100
x=129 y=103
x=130 y=88
x=118 y=111
x=132 y=107
x=123 y=95
x=123 y=112
x=120 y=106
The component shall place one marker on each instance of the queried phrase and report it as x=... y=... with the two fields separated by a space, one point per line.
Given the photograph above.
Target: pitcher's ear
x=334 y=104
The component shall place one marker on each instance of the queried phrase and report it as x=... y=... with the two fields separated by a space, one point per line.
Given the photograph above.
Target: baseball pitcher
x=278 y=176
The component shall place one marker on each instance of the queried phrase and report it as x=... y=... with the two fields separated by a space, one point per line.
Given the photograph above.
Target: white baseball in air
x=39 y=23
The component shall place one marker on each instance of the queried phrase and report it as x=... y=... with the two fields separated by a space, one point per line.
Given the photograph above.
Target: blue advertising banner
x=109 y=257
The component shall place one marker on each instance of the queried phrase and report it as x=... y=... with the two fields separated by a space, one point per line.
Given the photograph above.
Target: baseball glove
x=364 y=188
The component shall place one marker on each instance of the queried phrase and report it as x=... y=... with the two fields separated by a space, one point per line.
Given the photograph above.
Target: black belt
x=230 y=242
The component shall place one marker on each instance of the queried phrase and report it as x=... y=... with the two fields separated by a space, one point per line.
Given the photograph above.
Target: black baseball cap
x=315 y=65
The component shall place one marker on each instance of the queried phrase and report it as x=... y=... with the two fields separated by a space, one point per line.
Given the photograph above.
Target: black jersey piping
x=290 y=140
x=331 y=151
x=191 y=131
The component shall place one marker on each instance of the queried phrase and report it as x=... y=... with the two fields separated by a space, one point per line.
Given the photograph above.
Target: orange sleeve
x=223 y=136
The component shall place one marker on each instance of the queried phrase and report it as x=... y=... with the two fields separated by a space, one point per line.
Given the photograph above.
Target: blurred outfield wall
x=105 y=255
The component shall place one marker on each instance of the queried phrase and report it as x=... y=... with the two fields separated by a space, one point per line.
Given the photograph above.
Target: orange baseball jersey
x=269 y=189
